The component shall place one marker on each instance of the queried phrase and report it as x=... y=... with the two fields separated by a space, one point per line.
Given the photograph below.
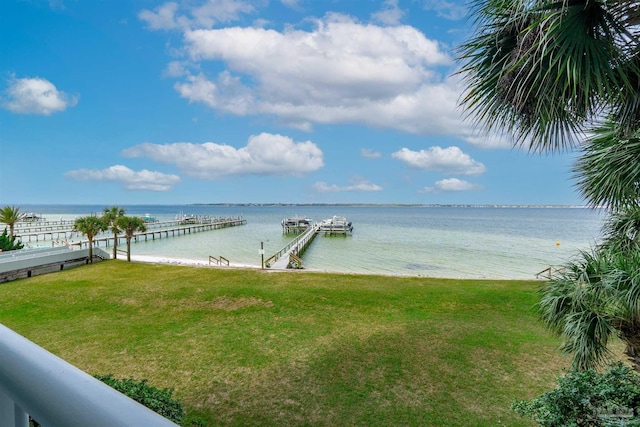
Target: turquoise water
x=456 y=242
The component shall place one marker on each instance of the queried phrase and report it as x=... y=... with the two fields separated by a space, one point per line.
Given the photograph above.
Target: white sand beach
x=184 y=261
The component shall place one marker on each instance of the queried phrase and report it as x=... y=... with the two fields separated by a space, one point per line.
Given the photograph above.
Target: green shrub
x=588 y=398
x=160 y=401
x=9 y=243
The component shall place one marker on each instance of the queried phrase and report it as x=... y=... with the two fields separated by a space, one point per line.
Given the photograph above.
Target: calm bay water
x=456 y=242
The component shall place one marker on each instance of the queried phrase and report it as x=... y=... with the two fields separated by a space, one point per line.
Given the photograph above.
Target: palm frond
x=608 y=171
x=541 y=70
x=575 y=305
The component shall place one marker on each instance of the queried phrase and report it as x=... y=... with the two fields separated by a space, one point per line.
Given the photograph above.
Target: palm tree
x=110 y=216
x=609 y=169
x=593 y=300
x=563 y=74
x=90 y=226
x=597 y=296
x=10 y=215
x=130 y=225
x=548 y=72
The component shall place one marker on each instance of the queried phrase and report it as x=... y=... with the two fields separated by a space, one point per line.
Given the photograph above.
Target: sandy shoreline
x=184 y=261
x=188 y=262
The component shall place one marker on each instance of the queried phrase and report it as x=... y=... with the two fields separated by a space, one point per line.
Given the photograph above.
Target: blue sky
x=249 y=101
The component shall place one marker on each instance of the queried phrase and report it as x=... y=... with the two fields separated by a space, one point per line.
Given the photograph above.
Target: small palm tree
x=111 y=216
x=10 y=215
x=130 y=225
x=90 y=226
x=595 y=298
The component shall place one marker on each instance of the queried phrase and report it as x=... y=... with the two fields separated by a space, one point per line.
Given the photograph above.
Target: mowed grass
x=246 y=347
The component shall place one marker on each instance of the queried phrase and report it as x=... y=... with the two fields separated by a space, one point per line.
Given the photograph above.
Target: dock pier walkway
x=289 y=256
x=61 y=233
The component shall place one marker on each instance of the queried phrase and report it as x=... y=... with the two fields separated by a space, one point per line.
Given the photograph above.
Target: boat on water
x=186 y=219
x=32 y=217
x=335 y=225
x=149 y=218
x=296 y=224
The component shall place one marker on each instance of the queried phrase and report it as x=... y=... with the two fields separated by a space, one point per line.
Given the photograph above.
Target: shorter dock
x=289 y=256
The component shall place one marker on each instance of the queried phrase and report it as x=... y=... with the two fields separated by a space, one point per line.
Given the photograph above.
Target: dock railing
x=295 y=247
x=550 y=271
x=36 y=383
x=219 y=261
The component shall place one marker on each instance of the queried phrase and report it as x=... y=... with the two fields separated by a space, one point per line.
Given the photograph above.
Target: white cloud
x=449 y=160
x=370 y=154
x=220 y=11
x=264 y=154
x=342 y=71
x=176 y=69
x=357 y=184
x=227 y=94
x=130 y=179
x=451 y=185
x=447 y=9
x=390 y=14
x=36 y=96
x=162 y=18
x=205 y=15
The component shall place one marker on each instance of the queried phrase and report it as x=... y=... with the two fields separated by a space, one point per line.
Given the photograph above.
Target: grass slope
x=245 y=347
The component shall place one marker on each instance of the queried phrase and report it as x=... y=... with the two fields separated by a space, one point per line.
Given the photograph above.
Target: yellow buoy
x=557 y=243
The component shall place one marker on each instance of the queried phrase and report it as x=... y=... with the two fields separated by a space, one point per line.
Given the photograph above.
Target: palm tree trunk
x=115 y=246
x=630 y=334
x=90 y=239
x=128 y=249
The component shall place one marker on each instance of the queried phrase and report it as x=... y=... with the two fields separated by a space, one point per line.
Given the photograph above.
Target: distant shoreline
x=417 y=205
x=400 y=205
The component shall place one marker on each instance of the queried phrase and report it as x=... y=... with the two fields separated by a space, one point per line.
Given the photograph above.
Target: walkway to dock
x=61 y=232
x=171 y=231
x=289 y=256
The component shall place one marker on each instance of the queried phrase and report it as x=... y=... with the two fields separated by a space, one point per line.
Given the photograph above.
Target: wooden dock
x=289 y=256
x=61 y=232
x=165 y=232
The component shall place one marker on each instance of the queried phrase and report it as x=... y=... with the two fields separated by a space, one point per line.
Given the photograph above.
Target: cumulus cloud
x=341 y=71
x=449 y=160
x=451 y=185
x=264 y=154
x=162 y=18
x=168 y=16
x=390 y=14
x=331 y=70
x=227 y=94
x=357 y=184
x=35 y=96
x=370 y=154
x=130 y=179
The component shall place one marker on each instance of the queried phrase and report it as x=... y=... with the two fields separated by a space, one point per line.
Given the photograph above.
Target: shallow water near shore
x=426 y=241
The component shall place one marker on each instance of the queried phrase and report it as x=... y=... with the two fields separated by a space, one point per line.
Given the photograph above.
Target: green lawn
x=245 y=347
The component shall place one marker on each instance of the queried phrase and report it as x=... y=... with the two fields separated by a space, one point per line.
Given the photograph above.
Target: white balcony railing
x=57 y=394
